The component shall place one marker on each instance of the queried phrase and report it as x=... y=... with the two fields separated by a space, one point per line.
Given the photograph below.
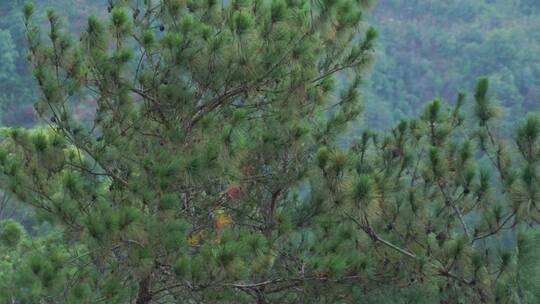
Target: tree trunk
x=145 y=294
x=270 y=218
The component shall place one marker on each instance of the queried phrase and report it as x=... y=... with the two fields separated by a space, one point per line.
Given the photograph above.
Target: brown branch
x=145 y=295
x=452 y=202
x=375 y=237
x=162 y=117
x=496 y=230
x=272 y=210
x=216 y=102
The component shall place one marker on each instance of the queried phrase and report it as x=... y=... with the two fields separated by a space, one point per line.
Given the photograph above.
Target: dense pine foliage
x=426 y=49
x=208 y=165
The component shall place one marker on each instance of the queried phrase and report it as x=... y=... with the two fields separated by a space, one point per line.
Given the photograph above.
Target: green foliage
x=483 y=108
x=11 y=233
x=279 y=10
x=213 y=171
x=528 y=261
x=162 y=183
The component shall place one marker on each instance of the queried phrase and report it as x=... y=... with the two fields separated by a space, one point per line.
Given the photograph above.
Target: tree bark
x=270 y=218
x=145 y=286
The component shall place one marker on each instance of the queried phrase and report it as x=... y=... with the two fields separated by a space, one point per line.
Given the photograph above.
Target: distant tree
x=13 y=87
x=213 y=171
x=8 y=55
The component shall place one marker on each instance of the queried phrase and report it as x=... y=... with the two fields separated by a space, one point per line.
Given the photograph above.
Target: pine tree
x=213 y=169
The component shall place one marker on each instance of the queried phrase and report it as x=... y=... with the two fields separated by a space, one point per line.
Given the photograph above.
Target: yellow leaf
x=222 y=219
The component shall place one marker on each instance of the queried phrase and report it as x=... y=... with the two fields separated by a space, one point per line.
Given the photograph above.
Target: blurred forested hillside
x=426 y=49
x=434 y=48
x=17 y=88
